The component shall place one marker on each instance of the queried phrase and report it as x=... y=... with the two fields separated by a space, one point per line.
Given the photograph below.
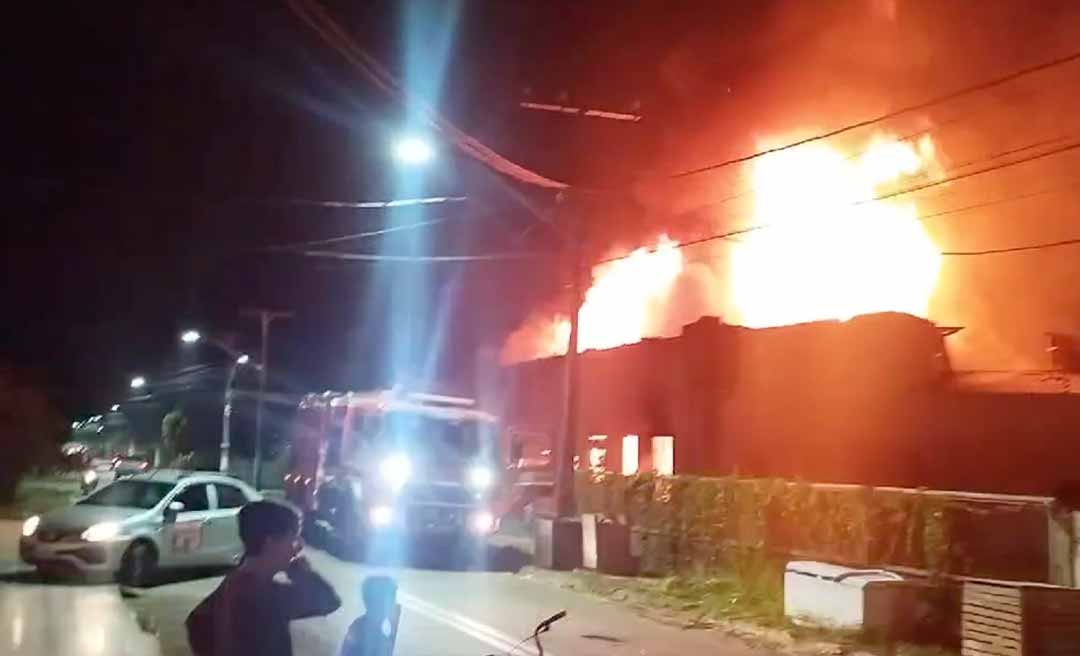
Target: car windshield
x=129 y=494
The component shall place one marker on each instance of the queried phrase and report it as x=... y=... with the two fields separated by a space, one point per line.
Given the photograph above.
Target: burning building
x=826 y=369
x=872 y=400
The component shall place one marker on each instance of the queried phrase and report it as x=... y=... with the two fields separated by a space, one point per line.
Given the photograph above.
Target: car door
x=185 y=543
x=222 y=532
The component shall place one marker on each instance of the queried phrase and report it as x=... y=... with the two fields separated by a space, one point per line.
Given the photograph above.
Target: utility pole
x=558 y=536
x=564 y=465
x=265 y=317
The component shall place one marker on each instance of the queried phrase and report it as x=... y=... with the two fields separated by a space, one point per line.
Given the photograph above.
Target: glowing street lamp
x=243 y=359
x=190 y=336
x=115 y=407
x=413 y=151
x=138 y=382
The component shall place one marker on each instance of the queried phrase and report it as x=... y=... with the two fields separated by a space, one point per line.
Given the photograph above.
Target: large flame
x=825 y=249
x=626 y=298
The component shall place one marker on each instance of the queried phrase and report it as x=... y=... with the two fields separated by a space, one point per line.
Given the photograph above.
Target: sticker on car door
x=187 y=537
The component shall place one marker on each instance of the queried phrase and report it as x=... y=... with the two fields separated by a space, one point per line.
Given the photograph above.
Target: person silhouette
x=374 y=632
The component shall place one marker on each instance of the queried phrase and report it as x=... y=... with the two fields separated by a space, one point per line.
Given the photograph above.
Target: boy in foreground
x=249 y=613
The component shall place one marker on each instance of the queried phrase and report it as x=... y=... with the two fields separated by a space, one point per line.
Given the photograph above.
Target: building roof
x=1017 y=382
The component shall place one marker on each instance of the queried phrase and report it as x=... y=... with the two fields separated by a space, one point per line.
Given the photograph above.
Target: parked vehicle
x=102 y=471
x=133 y=527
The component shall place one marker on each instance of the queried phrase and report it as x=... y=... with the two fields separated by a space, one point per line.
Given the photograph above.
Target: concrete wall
x=865 y=401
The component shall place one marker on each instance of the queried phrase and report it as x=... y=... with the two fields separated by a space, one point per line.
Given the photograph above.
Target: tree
x=174 y=439
x=31 y=429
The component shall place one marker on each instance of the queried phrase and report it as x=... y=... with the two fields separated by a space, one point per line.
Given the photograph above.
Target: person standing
x=249 y=613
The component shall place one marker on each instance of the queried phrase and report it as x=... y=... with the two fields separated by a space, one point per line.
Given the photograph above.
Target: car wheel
x=138 y=568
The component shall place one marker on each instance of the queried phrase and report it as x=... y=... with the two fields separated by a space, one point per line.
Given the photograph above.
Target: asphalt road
x=457 y=613
x=39 y=618
x=445 y=613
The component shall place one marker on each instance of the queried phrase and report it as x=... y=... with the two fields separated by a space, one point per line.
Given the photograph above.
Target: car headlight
x=101 y=532
x=89 y=476
x=29 y=527
x=480 y=477
x=395 y=470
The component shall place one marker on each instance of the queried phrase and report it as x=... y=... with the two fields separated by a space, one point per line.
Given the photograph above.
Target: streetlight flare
x=115 y=407
x=414 y=150
x=243 y=359
x=190 y=336
x=138 y=382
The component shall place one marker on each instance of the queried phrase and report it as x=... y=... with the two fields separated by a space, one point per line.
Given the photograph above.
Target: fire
x=621 y=306
x=827 y=250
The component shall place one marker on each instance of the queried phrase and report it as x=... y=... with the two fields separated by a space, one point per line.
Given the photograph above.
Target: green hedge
x=696 y=525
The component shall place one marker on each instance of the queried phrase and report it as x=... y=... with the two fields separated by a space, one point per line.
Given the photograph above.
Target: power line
x=354 y=236
x=379 y=204
x=874 y=199
x=1014 y=249
x=265 y=200
x=317 y=18
x=374 y=257
x=926 y=104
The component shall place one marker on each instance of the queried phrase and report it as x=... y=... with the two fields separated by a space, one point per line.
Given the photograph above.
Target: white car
x=137 y=525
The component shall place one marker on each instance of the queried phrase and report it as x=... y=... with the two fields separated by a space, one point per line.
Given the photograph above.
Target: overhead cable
x=317 y=18
x=926 y=104
x=375 y=257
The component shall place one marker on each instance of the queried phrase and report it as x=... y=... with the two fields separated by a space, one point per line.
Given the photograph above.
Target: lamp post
x=226 y=414
x=137 y=383
x=238 y=360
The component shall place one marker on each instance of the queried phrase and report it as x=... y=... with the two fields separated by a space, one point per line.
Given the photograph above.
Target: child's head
x=379 y=594
x=270 y=532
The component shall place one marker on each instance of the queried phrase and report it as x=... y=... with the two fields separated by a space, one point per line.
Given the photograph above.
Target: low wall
x=695 y=524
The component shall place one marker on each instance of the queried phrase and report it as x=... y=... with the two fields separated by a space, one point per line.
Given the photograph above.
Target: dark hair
x=379 y=593
x=260 y=520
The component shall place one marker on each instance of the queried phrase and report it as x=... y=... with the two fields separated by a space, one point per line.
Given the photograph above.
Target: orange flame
x=826 y=250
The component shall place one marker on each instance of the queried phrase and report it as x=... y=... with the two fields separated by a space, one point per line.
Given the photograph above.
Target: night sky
x=155 y=147
x=153 y=150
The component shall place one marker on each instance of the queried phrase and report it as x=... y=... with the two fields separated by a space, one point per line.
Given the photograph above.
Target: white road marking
x=482 y=632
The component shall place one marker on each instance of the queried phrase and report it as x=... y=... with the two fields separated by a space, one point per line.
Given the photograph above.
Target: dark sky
x=154 y=148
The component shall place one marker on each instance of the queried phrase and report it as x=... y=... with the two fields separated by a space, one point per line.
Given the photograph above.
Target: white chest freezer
x=830 y=595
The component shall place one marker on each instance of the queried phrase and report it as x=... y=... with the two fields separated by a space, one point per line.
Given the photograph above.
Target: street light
x=138 y=382
x=414 y=150
x=243 y=359
x=115 y=407
x=190 y=336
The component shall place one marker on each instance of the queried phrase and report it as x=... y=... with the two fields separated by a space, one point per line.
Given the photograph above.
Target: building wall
x=864 y=401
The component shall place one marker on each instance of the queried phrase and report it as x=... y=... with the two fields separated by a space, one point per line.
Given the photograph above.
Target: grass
x=748 y=601
x=33 y=498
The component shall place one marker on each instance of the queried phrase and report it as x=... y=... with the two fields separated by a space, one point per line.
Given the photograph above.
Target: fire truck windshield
x=441 y=438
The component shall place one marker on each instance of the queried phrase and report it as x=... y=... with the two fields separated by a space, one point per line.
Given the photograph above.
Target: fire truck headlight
x=482 y=522
x=381 y=516
x=480 y=477
x=395 y=470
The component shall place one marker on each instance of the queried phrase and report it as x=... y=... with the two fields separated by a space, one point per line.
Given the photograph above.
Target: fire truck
x=394 y=468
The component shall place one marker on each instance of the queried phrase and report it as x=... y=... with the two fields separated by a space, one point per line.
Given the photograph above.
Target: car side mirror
x=174 y=509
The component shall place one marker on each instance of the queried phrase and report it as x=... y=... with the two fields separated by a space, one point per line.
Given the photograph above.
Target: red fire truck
x=414 y=467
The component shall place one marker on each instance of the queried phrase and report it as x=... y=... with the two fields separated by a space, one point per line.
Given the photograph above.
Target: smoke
x=799 y=68
x=739 y=77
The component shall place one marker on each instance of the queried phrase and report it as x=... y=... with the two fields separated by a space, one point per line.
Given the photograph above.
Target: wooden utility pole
x=265 y=317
